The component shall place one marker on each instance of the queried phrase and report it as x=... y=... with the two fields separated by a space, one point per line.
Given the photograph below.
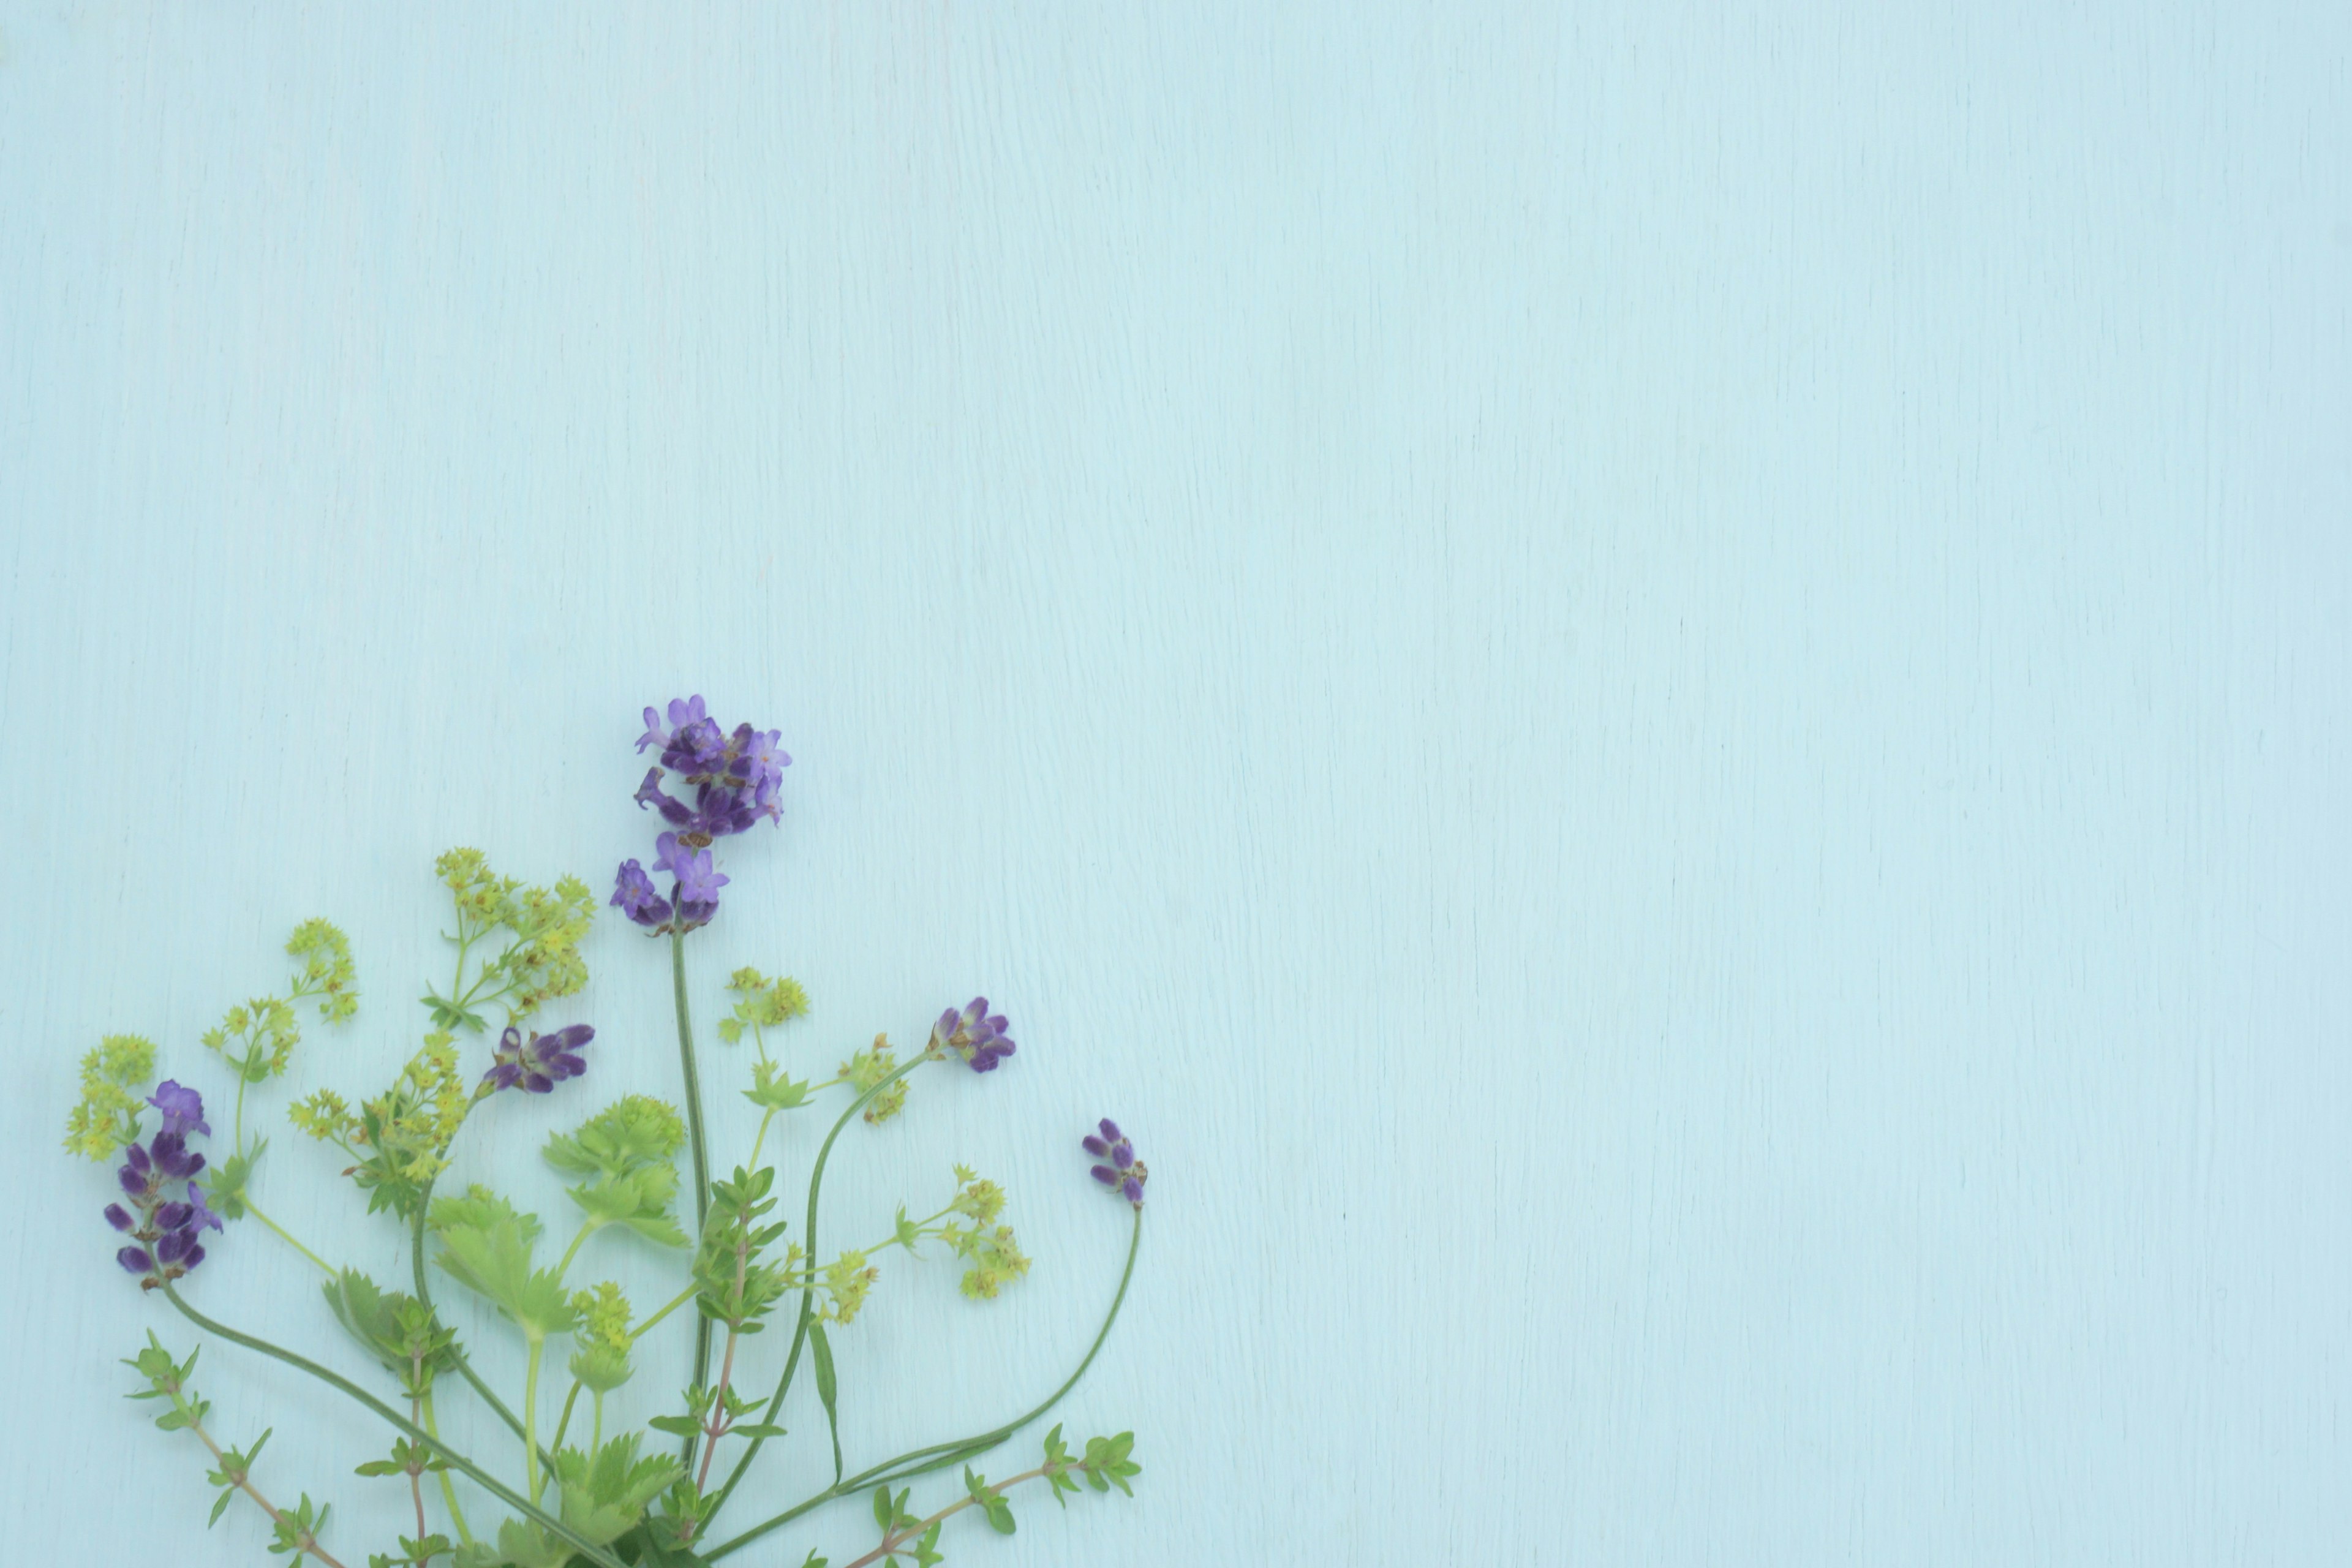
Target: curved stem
x=940 y=1455
x=808 y=1292
x=490 y=1482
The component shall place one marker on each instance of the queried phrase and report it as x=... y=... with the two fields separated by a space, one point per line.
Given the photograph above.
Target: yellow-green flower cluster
x=995 y=1258
x=870 y=1067
x=847 y=1282
x=265 y=1030
x=401 y=1136
x=106 y=1118
x=765 y=1004
x=543 y=961
x=328 y=972
x=601 y=1362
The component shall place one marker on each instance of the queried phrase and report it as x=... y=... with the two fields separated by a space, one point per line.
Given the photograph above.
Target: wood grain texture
x=1660 y=690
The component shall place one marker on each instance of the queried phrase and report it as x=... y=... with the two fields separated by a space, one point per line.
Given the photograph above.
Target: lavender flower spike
x=981 y=1040
x=1125 y=1173
x=538 y=1066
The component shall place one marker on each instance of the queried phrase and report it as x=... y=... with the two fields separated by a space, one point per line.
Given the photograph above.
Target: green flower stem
x=808 y=1292
x=531 y=1417
x=940 y=1455
x=680 y=1299
x=487 y=1481
x=416 y=1477
x=448 y=1488
x=425 y=1290
x=286 y=1236
x=555 y=1444
x=597 y=1441
x=588 y=1227
x=701 y=1147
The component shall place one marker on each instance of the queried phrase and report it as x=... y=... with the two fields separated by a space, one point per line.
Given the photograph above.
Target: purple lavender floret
x=203 y=1218
x=135 y=1259
x=633 y=893
x=174 y=1158
x=1125 y=1174
x=118 y=1216
x=183 y=1109
x=979 y=1039
x=536 y=1067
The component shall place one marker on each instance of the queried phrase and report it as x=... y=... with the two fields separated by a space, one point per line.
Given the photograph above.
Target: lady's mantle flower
x=735 y=778
x=1125 y=1173
x=539 y=1065
x=972 y=1035
x=165 y=1223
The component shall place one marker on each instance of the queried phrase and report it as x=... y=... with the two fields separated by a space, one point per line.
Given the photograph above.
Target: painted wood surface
x=1660 y=690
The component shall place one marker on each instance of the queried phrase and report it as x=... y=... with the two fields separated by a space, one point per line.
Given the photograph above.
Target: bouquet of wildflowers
x=617 y=1479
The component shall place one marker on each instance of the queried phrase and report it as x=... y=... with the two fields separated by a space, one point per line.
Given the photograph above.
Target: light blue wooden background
x=1660 y=690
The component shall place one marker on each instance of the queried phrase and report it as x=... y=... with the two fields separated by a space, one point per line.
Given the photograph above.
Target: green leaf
x=220 y=1506
x=761 y=1429
x=676 y=1426
x=605 y=1494
x=828 y=1390
x=487 y=1248
x=883 y=1512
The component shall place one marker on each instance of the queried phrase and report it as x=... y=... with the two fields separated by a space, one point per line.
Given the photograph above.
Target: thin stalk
x=701 y=1145
x=286 y=1236
x=530 y=1418
x=555 y=1445
x=808 y=1292
x=417 y=1477
x=682 y=1298
x=940 y=1455
x=448 y=1487
x=482 y=1477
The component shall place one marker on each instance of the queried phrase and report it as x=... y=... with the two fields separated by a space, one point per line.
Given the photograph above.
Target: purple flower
x=633 y=893
x=977 y=1039
x=762 y=760
x=655 y=735
x=174 y=1158
x=183 y=1109
x=651 y=793
x=1125 y=1174
x=699 y=879
x=165 y=1223
x=541 y=1064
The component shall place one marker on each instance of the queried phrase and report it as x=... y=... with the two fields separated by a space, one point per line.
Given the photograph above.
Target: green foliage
x=828 y=1388
x=398 y=1329
x=1106 y=1464
x=296 y=1530
x=773 y=1089
x=399 y=1140
x=487 y=1247
x=890 y=1513
x=106 y=1117
x=413 y=1553
x=999 y=1512
x=626 y=1150
x=736 y=1285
